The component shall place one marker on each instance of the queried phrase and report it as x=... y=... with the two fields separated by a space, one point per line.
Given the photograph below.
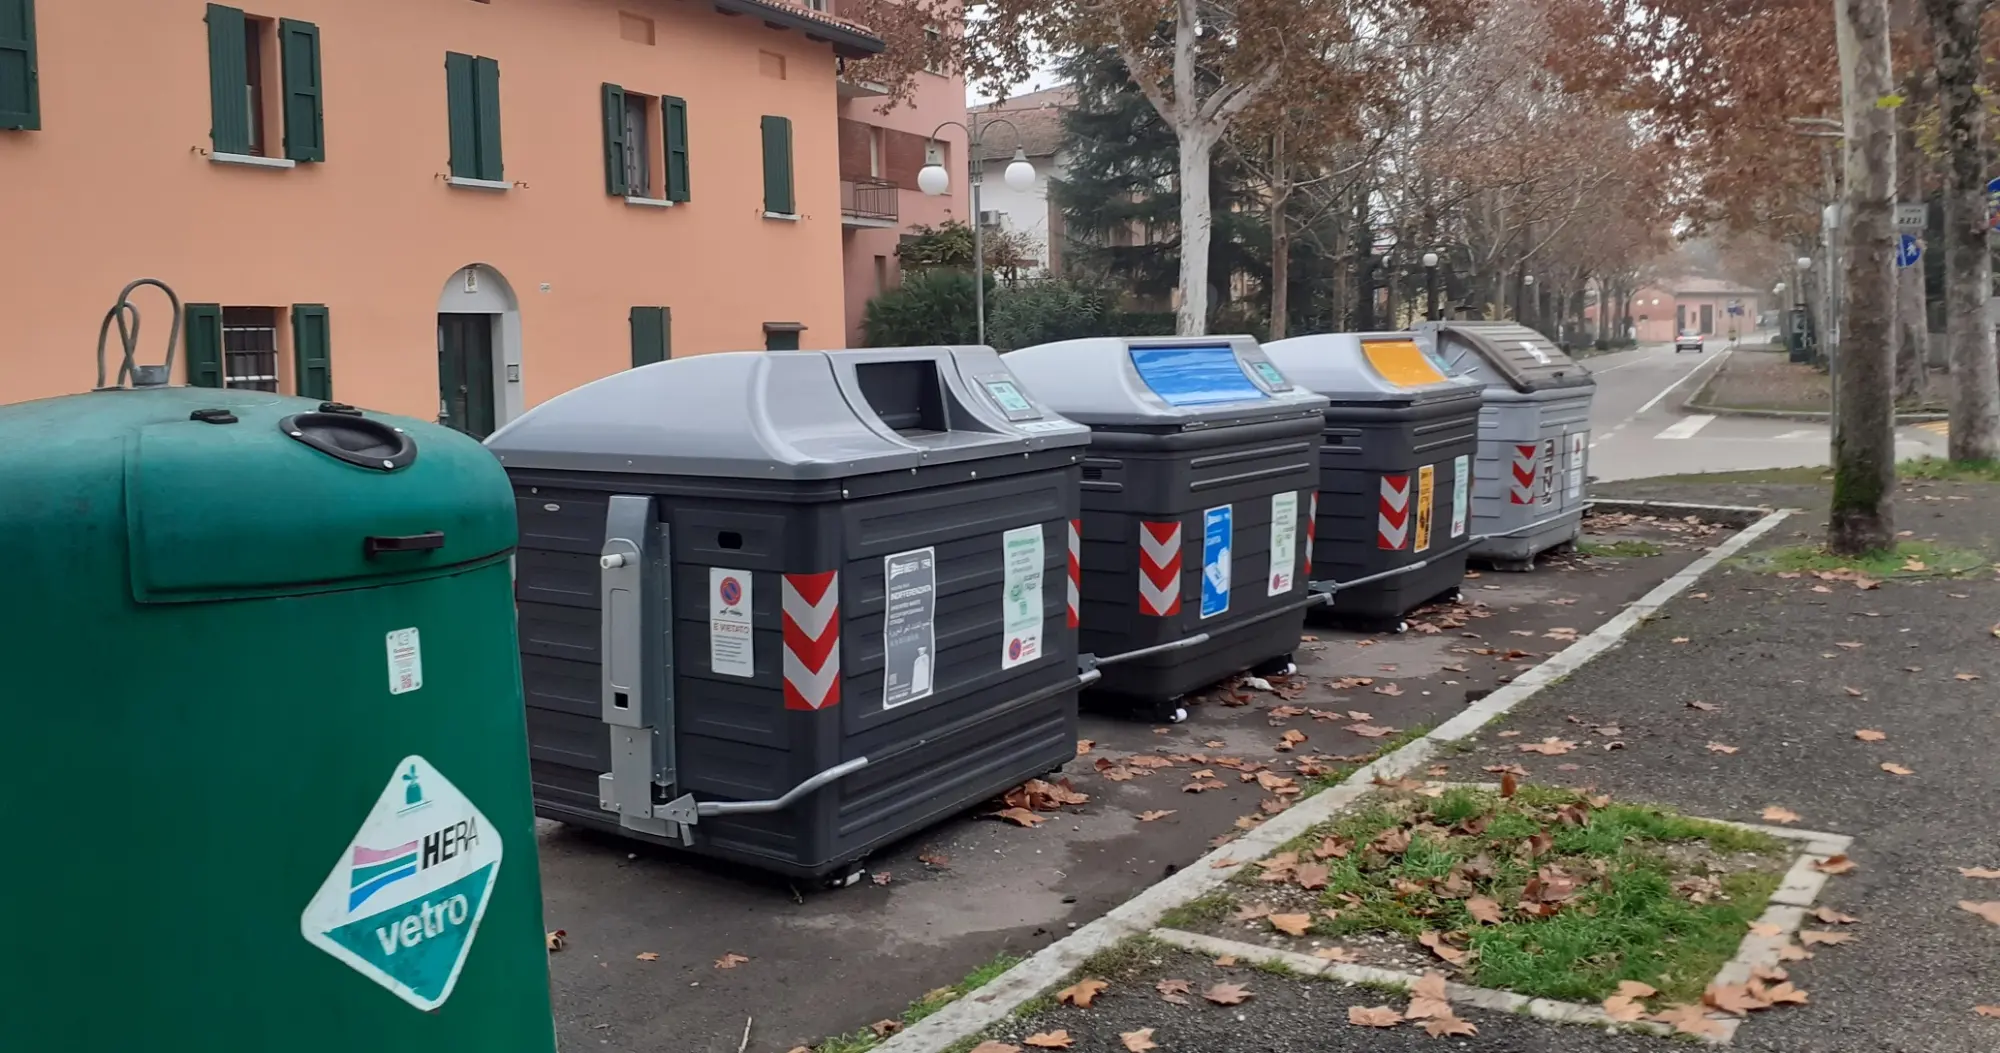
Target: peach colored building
x=880 y=154
x=453 y=208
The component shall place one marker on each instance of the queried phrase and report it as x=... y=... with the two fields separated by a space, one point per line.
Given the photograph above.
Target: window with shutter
x=229 y=94
x=675 y=117
x=486 y=79
x=204 y=344
x=305 y=123
x=472 y=100
x=778 y=199
x=312 y=355
x=652 y=335
x=20 y=94
x=615 y=182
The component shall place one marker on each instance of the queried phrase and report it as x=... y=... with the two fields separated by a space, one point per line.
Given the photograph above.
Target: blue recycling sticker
x=1217 y=526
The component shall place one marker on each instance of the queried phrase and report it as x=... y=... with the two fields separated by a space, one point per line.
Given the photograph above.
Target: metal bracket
x=623 y=577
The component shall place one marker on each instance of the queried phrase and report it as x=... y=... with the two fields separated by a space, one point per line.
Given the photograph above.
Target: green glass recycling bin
x=266 y=765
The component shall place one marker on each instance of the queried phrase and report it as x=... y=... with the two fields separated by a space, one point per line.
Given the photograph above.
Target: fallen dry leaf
x=1625 y=1006
x=932 y=859
x=1336 y=954
x=1870 y=735
x=1228 y=994
x=1049 y=1040
x=558 y=939
x=1445 y=1026
x=1081 y=993
x=654 y=956
x=1311 y=876
x=1792 y=952
x=1678 y=639
x=1174 y=991
x=1831 y=916
x=1763 y=928
x=1514 y=769
x=1736 y=999
x=1389 y=689
x=995 y=1047
x=1435 y=941
x=1370 y=731
x=1200 y=785
x=1987 y=1010
x=1775 y=814
x=1135 y=1041
x=1966 y=676
x=1717 y=747
x=1979 y=872
x=1084 y=746
x=1147 y=817
x=1509 y=785
x=1839 y=864
x=1226 y=961
x=885 y=1028
x=1853 y=692
x=1548 y=747
x=727 y=961
x=1896 y=769
x=1224 y=863
x=884 y=877
x=1706 y=707
x=1990 y=910
x=1691 y=1020
x=1291 y=924
x=1848 y=645
x=1373 y=1016
x=1484 y=909
x=1815 y=937
x=1020 y=816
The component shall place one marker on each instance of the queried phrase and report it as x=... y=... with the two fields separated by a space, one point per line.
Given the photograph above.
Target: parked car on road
x=1689 y=340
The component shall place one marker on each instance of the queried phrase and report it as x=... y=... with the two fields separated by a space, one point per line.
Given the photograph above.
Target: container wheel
x=846 y=876
x=1282 y=665
x=1168 y=712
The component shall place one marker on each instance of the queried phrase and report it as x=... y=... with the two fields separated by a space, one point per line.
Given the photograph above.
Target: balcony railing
x=871 y=200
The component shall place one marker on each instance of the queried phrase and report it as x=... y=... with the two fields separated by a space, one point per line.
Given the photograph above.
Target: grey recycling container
x=782 y=608
x=1528 y=489
x=1202 y=464
x=1393 y=515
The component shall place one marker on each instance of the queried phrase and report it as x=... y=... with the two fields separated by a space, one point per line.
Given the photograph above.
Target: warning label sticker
x=1426 y=498
x=406 y=895
x=1461 y=484
x=1284 y=542
x=731 y=641
x=1021 y=596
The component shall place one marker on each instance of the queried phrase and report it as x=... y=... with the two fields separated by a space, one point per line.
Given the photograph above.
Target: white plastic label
x=406 y=895
x=909 y=632
x=731 y=641
x=1021 y=596
x=1461 y=484
x=406 y=662
x=1284 y=542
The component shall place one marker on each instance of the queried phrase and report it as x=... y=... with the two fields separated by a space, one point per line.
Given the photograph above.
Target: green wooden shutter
x=486 y=81
x=204 y=345
x=778 y=166
x=674 y=114
x=614 y=140
x=20 y=95
x=228 y=81
x=464 y=118
x=305 y=122
x=312 y=352
x=652 y=335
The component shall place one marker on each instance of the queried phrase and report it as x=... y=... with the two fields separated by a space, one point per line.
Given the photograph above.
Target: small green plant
x=867 y=1039
x=1622 y=549
x=1201 y=910
x=1938 y=469
x=1909 y=559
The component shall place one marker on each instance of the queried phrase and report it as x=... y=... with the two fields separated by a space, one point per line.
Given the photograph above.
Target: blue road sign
x=1908 y=252
x=1993 y=204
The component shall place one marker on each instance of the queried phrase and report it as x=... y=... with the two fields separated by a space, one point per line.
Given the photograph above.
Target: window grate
x=250 y=348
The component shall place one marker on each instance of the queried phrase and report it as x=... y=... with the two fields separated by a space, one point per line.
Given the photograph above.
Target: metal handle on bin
x=429 y=539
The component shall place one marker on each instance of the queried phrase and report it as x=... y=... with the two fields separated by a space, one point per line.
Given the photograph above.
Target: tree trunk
x=1864 y=441
x=1281 y=237
x=1197 y=228
x=1975 y=399
x=1912 y=326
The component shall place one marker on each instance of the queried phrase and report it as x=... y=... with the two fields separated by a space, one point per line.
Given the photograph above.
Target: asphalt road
x=1638 y=428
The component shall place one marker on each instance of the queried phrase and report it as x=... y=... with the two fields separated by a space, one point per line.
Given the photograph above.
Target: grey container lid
x=1162 y=381
x=1337 y=365
x=789 y=415
x=1503 y=354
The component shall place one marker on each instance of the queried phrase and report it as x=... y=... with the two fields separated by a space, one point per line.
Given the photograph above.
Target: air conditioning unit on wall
x=991 y=217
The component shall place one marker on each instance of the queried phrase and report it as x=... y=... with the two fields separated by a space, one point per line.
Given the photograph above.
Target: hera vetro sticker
x=909 y=637
x=403 y=902
x=1217 y=528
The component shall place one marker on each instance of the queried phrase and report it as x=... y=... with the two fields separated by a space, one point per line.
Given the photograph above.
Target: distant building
x=1037 y=130
x=1664 y=309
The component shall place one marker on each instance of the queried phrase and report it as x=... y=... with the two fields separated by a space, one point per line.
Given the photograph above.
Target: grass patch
x=1939 y=470
x=1909 y=559
x=1625 y=892
x=1202 y=910
x=1382 y=749
x=1621 y=549
x=866 y=1039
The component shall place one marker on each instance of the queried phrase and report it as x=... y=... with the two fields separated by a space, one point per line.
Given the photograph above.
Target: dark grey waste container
x=783 y=608
x=1203 y=459
x=1528 y=491
x=1395 y=474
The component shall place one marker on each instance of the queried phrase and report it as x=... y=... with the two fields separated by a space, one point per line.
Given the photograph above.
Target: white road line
x=1670 y=387
x=1686 y=427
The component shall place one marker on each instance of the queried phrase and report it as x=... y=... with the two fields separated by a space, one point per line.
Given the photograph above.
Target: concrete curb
x=1730 y=515
x=1140 y=914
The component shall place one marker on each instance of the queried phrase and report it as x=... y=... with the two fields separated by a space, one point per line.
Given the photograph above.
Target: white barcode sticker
x=406 y=662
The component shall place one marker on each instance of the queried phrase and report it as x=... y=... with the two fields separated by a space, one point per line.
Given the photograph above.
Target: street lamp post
x=1527 y=301
x=933 y=180
x=1431 y=286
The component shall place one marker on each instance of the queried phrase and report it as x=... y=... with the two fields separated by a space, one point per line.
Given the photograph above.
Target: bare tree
x=1864 y=441
x=1975 y=400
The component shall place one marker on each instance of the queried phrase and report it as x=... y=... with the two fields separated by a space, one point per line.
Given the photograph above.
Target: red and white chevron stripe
x=1521 y=484
x=1160 y=569
x=1392 y=513
x=1075 y=569
x=812 y=640
x=1312 y=528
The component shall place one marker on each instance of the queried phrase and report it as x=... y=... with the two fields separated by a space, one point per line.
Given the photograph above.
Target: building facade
x=1033 y=124
x=880 y=154
x=443 y=208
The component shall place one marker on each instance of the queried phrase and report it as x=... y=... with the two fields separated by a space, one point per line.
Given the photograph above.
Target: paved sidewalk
x=1794 y=667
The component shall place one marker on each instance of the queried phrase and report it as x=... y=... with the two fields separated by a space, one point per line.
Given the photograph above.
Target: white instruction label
x=731 y=641
x=1461 y=484
x=1284 y=542
x=1021 y=596
x=406 y=662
